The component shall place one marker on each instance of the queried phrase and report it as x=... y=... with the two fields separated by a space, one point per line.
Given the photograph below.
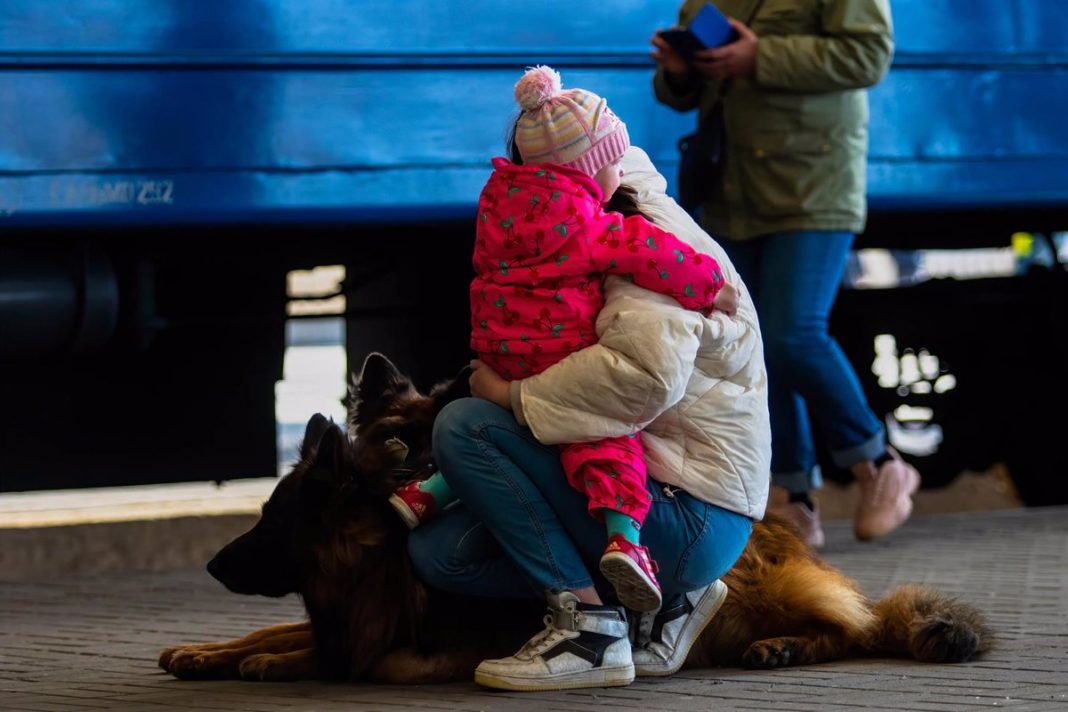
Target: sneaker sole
x=610 y=677
x=404 y=511
x=709 y=605
x=634 y=589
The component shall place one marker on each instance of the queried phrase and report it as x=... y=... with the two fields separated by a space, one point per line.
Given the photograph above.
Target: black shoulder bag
x=701 y=153
x=700 y=159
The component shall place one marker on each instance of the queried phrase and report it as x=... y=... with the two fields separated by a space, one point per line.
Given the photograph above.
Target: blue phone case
x=710 y=26
x=708 y=29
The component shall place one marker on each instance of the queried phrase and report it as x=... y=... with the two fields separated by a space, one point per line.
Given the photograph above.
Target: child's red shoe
x=413 y=504
x=633 y=574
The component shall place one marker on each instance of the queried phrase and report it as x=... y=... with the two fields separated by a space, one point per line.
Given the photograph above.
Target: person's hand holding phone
x=666 y=56
x=737 y=59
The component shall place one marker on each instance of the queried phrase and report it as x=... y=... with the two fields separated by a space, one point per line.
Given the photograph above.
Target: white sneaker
x=663 y=639
x=581 y=646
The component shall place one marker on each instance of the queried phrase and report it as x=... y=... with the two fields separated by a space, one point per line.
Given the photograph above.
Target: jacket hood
x=529 y=212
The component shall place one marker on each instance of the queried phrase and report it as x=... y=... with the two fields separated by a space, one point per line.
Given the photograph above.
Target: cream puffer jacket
x=695 y=387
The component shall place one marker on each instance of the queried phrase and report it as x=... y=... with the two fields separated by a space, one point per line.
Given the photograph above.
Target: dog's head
x=267 y=559
x=329 y=518
x=390 y=423
x=328 y=532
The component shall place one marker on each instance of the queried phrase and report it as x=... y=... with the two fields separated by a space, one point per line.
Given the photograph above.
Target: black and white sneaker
x=662 y=639
x=582 y=645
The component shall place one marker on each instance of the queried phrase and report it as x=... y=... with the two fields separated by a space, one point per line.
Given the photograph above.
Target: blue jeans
x=520 y=529
x=794 y=278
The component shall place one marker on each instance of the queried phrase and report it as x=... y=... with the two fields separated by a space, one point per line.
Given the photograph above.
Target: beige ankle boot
x=885 y=496
x=804 y=520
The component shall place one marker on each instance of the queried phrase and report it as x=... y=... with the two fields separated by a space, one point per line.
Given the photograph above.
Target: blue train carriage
x=164 y=164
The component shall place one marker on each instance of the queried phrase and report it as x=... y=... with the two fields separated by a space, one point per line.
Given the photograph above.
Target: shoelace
x=542 y=641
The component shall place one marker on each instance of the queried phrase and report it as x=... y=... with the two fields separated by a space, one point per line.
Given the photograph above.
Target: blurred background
x=211 y=212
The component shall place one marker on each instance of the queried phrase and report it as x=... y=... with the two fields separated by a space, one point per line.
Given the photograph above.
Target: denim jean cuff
x=870 y=449
x=800 y=481
x=561 y=586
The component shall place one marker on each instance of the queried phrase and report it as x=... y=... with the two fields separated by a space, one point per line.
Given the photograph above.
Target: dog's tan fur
x=288 y=649
x=786 y=606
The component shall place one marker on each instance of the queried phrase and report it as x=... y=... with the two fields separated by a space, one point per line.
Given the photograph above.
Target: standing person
x=695 y=387
x=788 y=200
x=543 y=244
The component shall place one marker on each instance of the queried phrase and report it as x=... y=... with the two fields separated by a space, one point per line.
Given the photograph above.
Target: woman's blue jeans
x=794 y=279
x=520 y=529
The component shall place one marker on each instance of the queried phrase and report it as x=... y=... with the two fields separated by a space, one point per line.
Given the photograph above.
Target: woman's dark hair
x=624 y=201
x=512 y=147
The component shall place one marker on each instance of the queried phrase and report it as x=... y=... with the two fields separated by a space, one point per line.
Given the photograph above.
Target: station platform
x=86 y=642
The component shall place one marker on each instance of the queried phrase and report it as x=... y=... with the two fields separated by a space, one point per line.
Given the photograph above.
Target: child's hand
x=486 y=384
x=726 y=300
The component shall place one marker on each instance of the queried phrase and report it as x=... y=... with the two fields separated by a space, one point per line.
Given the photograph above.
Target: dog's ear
x=313 y=432
x=330 y=453
x=327 y=472
x=446 y=392
x=378 y=378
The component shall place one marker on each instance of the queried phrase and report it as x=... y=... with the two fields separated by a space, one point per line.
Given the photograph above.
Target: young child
x=543 y=244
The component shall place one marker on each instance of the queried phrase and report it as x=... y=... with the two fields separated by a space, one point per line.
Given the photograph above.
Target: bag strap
x=756 y=5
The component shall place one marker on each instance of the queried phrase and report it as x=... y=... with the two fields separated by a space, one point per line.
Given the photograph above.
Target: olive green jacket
x=797 y=132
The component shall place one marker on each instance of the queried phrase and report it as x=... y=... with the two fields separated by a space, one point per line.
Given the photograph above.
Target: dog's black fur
x=329 y=534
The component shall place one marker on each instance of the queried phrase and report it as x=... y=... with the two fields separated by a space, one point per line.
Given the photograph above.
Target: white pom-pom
x=536 y=87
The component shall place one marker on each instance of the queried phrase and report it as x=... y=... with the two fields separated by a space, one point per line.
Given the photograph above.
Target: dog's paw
x=193 y=664
x=773 y=653
x=166 y=655
x=266 y=667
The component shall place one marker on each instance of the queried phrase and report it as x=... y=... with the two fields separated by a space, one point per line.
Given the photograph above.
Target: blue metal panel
x=988 y=28
x=970 y=114
x=256 y=141
x=293 y=120
x=181 y=110
x=328 y=27
x=979 y=29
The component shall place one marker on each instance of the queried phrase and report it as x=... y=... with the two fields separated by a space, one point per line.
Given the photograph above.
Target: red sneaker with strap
x=413 y=504
x=633 y=574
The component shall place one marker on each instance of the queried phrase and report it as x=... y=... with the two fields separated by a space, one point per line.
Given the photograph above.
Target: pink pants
x=611 y=473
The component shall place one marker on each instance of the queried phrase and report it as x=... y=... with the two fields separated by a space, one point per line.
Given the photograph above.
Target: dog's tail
x=925 y=624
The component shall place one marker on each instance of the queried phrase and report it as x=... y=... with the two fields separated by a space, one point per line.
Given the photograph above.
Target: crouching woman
x=695 y=388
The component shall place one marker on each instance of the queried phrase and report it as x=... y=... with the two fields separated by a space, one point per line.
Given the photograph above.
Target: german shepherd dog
x=328 y=533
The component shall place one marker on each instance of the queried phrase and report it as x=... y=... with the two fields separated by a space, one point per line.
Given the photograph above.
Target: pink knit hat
x=574 y=128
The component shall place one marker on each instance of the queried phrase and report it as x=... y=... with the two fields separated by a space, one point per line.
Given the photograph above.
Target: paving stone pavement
x=87 y=643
